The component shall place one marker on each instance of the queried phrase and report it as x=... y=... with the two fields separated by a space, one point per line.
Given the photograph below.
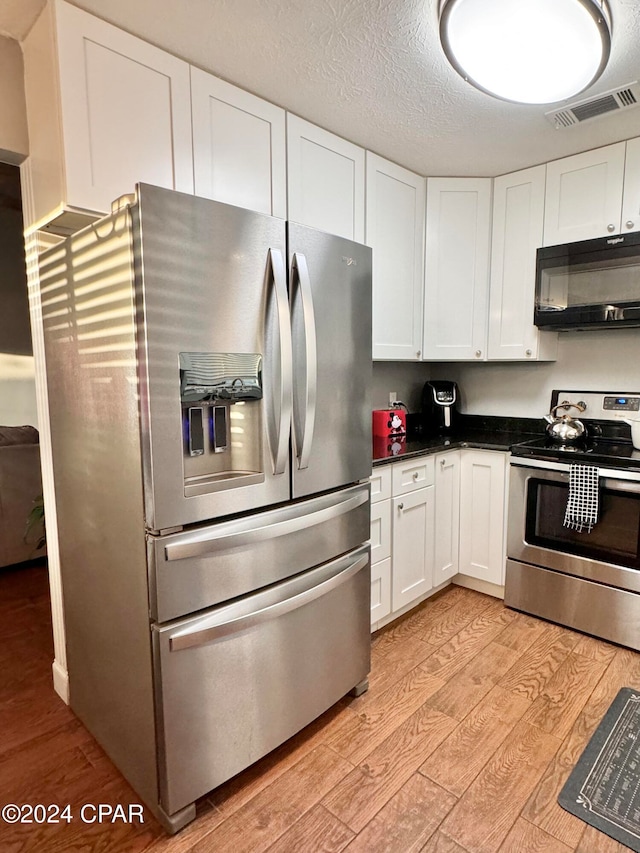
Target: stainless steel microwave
x=593 y=284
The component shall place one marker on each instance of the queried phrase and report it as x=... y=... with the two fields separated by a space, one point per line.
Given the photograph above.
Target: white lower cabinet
x=447 y=516
x=433 y=518
x=482 y=515
x=402 y=536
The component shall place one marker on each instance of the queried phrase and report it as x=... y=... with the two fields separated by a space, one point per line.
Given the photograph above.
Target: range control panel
x=601 y=405
x=621 y=404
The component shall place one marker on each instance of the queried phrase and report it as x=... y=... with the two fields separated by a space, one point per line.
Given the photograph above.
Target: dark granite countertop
x=476 y=431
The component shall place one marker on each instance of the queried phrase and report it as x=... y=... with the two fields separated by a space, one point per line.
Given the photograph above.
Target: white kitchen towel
x=582 y=506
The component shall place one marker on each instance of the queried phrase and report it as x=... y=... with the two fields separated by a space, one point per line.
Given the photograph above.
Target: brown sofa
x=20 y=485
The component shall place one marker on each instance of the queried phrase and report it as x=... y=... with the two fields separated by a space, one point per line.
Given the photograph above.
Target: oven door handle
x=537 y=467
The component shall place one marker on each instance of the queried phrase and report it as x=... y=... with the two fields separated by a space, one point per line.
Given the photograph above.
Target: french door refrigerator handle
x=286 y=360
x=212 y=628
x=289 y=520
x=304 y=441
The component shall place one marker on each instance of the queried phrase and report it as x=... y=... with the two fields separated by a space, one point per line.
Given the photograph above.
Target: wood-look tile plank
x=265 y=817
x=383 y=714
x=389 y=668
x=239 y=790
x=462 y=693
x=531 y=673
x=357 y=797
x=456 y=653
x=437 y=630
x=564 y=695
x=487 y=810
x=521 y=632
x=599 y=650
x=406 y=822
x=440 y=843
x=317 y=830
x=459 y=759
x=527 y=838
x=414 y=621
x=542 y=808
x=594 y=841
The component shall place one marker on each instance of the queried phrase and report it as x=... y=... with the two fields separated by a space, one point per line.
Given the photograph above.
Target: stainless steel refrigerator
x=209 y=371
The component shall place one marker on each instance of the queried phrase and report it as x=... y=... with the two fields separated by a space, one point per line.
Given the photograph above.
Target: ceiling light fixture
x=527 y=51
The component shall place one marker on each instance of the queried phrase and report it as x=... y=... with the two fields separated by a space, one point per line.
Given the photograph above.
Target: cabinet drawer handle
x=415 y=475
x=443 y=462
x=400 y=506
x=529 y=352
x=629 y=223
x=611 y=228
x=478 y=353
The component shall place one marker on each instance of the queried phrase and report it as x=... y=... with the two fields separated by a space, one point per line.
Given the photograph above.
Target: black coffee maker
x=439 y=407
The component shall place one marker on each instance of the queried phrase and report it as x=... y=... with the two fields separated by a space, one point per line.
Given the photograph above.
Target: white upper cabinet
x=395 y=231
x=239 y=151
x=325 y=180
x=457 y=268
x=518 y=215
x=105 y=110
x=584 y=195
x=631 y=195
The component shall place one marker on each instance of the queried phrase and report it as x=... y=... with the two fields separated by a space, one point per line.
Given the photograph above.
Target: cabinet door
x=380 y=590
x=631 y=196
x=395 y=204
x=380 y=538
x=412 y=550
x=584 y=195
x=482 y=515
x=457 y=268
x=447 y=516
x=325 y=180
x=239 y=153
x=126 y=114
x=518 y=215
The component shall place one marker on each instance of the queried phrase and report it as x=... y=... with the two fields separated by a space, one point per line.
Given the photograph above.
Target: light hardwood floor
x=474 y=718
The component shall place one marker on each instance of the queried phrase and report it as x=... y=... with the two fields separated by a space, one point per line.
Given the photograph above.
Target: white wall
x=17 y=391
x=602 y=360
x=405 y=378
x=14 y=143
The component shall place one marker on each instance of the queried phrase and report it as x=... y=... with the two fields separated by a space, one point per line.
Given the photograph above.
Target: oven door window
x=614 y=539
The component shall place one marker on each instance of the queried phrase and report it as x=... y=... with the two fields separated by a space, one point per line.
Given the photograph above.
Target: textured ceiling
x=373 y=72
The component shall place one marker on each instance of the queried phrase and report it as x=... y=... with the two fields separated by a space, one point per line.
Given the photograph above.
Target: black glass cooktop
x=611 y=454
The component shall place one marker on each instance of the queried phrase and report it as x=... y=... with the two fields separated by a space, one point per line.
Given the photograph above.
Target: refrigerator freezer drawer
x=238 y=680
x=194 y=570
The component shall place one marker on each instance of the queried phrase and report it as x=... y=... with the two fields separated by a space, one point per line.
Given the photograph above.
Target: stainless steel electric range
x=584 y=580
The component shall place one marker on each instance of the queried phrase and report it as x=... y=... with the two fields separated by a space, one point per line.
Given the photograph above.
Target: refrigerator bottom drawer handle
x=214 y=627
x=199 y=545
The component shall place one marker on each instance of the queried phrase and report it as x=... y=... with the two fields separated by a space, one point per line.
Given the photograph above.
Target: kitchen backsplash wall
x=600 y=360
x=405 y=378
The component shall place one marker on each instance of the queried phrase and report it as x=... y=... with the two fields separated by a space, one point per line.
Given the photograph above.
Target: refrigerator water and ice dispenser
x=220 y=394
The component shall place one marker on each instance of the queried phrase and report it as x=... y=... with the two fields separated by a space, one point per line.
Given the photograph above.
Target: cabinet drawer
x=380 y=590
x=380 y=530
x=380 y=481
x=413 y=474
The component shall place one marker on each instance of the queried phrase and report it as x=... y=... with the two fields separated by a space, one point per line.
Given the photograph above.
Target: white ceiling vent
x=601 y=105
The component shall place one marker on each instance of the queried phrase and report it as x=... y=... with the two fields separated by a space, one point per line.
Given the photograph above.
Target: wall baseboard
x=61 y=681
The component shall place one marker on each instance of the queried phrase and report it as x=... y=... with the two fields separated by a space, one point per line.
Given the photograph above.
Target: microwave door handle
x=209 y=629
x=276 y=262
x=304 y=441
